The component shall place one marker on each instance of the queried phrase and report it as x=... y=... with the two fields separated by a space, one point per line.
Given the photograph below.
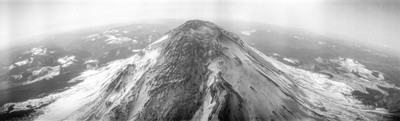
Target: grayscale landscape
x=197 y=63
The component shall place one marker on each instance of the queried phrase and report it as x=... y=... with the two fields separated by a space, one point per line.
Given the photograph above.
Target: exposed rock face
x=199 y=71
x=179 y=83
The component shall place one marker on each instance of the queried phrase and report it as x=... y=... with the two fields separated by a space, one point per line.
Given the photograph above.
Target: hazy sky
x=375 y=21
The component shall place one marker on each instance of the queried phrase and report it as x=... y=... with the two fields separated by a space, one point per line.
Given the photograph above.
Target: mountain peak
x=196 y=41
x=201 y=31
x=198 y=28
x=198 y=24
x=200 y=40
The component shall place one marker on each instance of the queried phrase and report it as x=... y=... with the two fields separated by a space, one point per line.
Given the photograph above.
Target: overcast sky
x=374 y=21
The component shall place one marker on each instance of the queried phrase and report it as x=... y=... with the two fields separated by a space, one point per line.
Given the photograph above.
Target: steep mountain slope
x=37 y=69
x=199 y=71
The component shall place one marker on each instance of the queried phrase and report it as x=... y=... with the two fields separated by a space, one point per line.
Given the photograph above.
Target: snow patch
x=80 y=100
x=290 y=60
x=91 y=61
x=118 y=40
x=248 y=32
x=17 y=77
x=93 y=37
x=11 y=67
x=45 y=73
x=111 y=31
x=66 y=61
x=159 y=40
x=24 y=62
x=297 y=37
x=353 y=65
x=136 y=50
x=37 y=51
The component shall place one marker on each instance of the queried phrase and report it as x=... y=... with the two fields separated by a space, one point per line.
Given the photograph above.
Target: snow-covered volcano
x=199 y=71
